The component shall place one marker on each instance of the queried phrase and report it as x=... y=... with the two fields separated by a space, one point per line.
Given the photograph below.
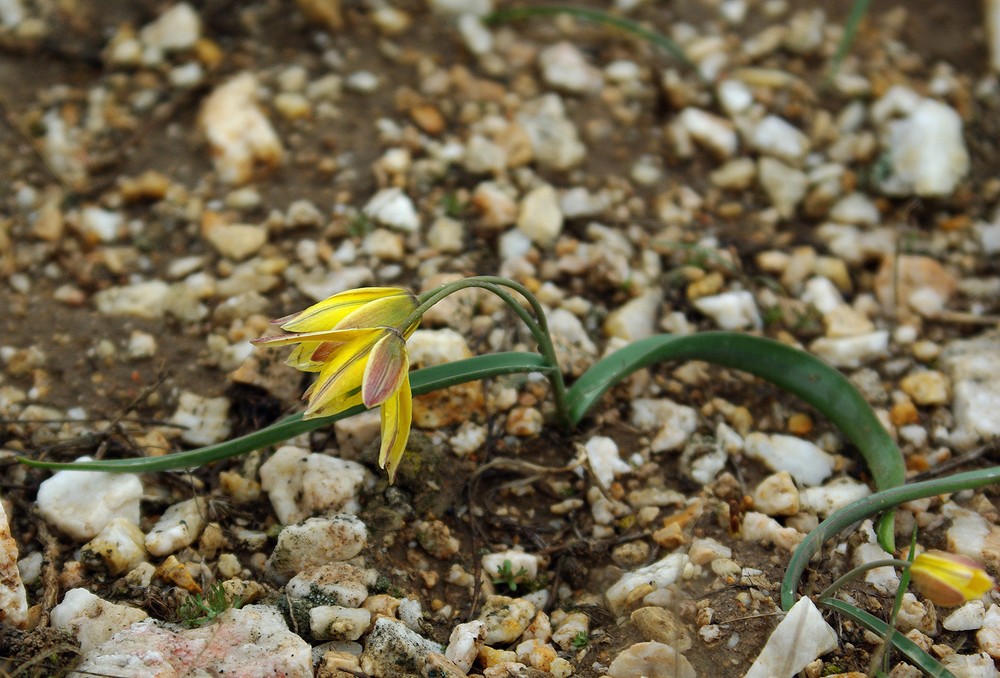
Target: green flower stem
x=831 y=590
x=868 y=507
x=422 y=381
x=537 y=325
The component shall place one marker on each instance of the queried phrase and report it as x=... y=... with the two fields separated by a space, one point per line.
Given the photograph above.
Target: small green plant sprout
x=507 y=577
x=580 y=640
x=199 y=610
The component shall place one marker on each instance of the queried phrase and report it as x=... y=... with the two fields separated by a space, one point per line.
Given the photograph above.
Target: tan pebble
x=428 y=118
x=176 y=572
x=49 y=224
x=777 y=495
x=490 y=657
x=245 y=591
x=325 y=13
x=707 y=286
x=904 y=413
x=242 y=489
x=292 y=106
x=670 y=537
x=381 y=604
x=631 y=554
x=663 y=626
x=927 y=388
x=212 y=540
x=430 y=578
x=909 y=285
x=925 y=350
x=524 y=422
x=800 y=424
x=336 y=664
x=229 y=565
x=208 y=52
x=150 y=185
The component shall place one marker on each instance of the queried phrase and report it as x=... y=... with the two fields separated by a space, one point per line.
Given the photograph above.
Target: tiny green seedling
x=507 y=576
x=580 y=640
x=199 y=610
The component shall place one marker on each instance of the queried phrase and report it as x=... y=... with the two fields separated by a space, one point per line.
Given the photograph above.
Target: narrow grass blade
x=421 y=381
x=808 y=377
x=910 y=650
x=868 y=507
x=598 y=17
x=858 y=11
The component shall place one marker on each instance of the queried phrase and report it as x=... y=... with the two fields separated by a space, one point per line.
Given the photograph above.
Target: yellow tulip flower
x=356 y=340
x=947 y=579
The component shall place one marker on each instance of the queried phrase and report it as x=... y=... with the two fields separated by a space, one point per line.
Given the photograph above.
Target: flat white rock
x=237 y=130
x=604 y=459
x=972 y=364
x=393 y=208
x=565 y=67
x=205 y=420
x=175 y=30
x=660 y=575
x=825 y=499
x=391 y=645
x=784 y=185
x=852 y=351
x=801 y=637
x=178 y=527
x=464 y=644
x=926 y=151
x=334 y=583
x=554 y=138
x=91 y=619
x=731 y=310
x=540 y=217
x=142 y=300
x=636 y=319
x=651 y=660
x=13 y=600
x=81 y=503
x=777 y=137
x=315 y=542
x=988 y=636
x=301 y=484
x=968 y=617
x=711 y=131
x=673 y=423
x=807 y=463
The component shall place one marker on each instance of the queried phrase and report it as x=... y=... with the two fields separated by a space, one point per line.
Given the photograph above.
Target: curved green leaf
x=868 y=507
x=910 y=650
x=798 y=372
x=421 y=381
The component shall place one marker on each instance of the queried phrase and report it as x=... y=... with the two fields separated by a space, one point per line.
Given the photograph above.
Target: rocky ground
x=172 y=176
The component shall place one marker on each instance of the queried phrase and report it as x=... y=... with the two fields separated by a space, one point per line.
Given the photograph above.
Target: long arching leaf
x=798 y=372
x=421 y=381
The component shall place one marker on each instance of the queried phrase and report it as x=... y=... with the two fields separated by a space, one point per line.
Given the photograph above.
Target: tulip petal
x=342 y=373
x=387 y=366
x=337 y=336
x=329 y=312
x=948 y=579
x=386 y=312
x=397 y=417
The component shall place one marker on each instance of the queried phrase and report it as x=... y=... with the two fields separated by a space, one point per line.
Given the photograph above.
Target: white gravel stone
x=391 y=646
x=979 y=665
x=823 y=294
x=363 y=82
x=988 y=636
x=101 y=224
x=178 y=527
x=493 y=563
x=13 y=599
x=141 y=345
x=674 y=424
x=852 y=351
x=11 y=13
x=460 y=7
x=554 y=138
x=636 y=319
x=926 y=151
x=315 y=542
x=575 y=350
x=121 y=546
x=968 y=617
x=660 y=575
x=972 y=365
x=176 y=30
x=785 y=186
x=604 y=460
x=333 y=622
x=92 y=620
x=972 y=536
x=340 y=584
x=301 y=484
x=142 y=300
x=992 y=21
x=464 y=644
x=505 y=618
x=777 y=137
x=835 y=495
x=777 y=495
x=856 y=208
x=807 y=463
x=251 y=641
x=713 y=132
x=205 y=420
x=236 y=241
x=651 y=659
x=393 y=208
x=539 y=216
x=436 y=347
x=883 y=579
x=802 y=636
x=81 y=503
x=731 y=310
x=565 y=67
x=734 y=96
x=760 y=528
x=446 y=235
x=238 y=131
x=475 y=36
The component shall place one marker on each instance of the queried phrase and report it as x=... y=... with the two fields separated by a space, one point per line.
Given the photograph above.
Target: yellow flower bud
x=948 y=579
